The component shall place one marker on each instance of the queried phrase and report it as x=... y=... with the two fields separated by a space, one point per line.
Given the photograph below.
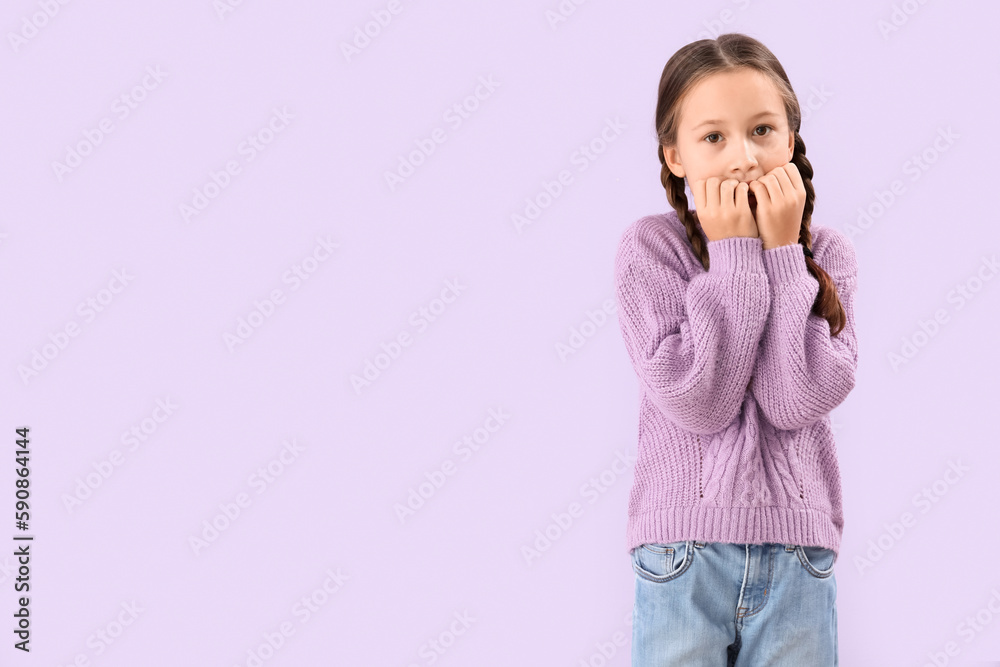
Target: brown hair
x=689 y=65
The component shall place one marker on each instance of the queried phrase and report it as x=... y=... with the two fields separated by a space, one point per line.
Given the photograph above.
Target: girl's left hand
x=781 y=198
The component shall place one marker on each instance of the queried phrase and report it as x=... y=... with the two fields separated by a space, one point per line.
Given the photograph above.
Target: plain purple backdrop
x=239 y=210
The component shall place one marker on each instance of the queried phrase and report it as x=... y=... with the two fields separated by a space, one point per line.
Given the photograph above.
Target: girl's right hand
x=723 y=208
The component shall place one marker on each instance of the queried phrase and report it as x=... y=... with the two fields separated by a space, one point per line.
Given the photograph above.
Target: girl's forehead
x=730 y=96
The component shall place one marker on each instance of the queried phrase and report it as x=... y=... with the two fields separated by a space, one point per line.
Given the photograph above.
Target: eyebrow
x=762 y=114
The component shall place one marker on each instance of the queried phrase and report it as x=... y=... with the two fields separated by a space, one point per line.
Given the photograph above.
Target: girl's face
x=732 y=125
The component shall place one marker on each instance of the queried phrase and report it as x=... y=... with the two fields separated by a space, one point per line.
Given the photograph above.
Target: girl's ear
x=791 y=145
x=670 y=156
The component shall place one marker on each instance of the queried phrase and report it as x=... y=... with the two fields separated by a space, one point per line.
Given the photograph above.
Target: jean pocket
x=659 y=562
x=817 y=561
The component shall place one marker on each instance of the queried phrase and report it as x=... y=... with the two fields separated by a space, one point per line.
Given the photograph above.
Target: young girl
x=738 y=318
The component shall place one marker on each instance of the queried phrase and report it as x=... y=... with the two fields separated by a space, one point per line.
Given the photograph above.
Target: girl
x=738 y=318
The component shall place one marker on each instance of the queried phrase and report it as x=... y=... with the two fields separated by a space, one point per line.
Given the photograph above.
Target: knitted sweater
x=737 y=379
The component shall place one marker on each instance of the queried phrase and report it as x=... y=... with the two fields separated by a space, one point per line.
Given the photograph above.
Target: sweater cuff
x=785 y=263
x=735 y=254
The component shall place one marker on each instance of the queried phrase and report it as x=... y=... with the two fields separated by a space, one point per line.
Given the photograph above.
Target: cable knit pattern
x=721 y=458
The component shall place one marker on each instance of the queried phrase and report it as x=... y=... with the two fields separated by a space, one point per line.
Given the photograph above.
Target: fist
x=781 y=199
x=724 y=208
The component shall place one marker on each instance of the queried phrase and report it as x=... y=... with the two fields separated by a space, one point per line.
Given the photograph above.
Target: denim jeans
x=717 y=604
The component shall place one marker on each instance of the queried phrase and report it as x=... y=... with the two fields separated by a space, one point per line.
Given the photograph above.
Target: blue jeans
x=716 y=604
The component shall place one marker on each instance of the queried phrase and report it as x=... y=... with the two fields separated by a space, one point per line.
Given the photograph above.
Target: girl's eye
x=716 y=134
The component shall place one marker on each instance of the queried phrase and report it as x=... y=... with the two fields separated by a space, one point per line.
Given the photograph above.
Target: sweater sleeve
x=802 y=372
x=692 y=342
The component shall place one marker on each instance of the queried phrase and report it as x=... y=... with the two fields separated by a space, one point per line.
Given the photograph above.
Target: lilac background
x=878 y=103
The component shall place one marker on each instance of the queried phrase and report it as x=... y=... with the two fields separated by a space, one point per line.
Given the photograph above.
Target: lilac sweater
x=737 y=379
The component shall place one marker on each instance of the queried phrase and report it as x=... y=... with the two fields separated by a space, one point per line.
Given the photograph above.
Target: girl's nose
x=744 y=162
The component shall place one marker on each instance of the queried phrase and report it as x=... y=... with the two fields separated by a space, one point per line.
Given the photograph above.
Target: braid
x=827 y=304
x=674 y=186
